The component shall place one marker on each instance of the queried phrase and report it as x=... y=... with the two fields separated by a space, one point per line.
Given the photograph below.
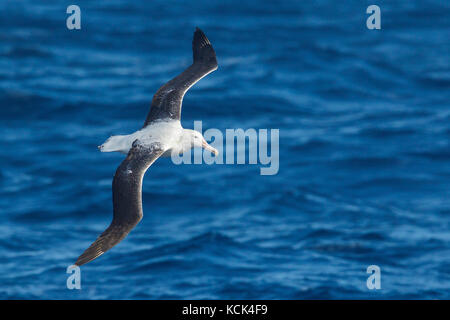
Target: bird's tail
x=203 y=50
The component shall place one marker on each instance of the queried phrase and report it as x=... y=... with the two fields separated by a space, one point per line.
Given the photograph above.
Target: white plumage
x=168 y=133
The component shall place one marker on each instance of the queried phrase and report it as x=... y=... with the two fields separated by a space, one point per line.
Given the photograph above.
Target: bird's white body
x=168 y=133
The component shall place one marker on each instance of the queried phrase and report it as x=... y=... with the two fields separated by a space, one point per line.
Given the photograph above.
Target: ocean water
x=364 y=174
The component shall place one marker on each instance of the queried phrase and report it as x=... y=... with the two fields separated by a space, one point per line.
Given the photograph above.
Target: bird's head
x=194 y=139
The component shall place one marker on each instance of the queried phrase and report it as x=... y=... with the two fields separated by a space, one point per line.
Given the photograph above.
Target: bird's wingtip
x=202 y=48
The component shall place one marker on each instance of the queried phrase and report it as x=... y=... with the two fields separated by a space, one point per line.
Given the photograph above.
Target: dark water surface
x=364 y=119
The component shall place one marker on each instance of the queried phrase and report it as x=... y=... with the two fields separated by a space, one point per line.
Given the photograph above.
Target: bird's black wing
x=166 y=103
x=127 y=199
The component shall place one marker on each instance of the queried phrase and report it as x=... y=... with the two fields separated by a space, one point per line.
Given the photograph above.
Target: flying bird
x=161 y=135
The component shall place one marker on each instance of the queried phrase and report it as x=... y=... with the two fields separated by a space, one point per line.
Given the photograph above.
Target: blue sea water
x=364 y=177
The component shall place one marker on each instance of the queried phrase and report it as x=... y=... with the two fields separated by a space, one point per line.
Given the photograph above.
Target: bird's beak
x=206 y=146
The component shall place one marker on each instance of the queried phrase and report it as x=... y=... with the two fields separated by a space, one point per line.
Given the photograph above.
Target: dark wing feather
x=127 y=199
x=167 y=100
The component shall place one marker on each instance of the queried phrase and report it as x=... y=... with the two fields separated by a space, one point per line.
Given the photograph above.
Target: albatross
x=161 y=135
